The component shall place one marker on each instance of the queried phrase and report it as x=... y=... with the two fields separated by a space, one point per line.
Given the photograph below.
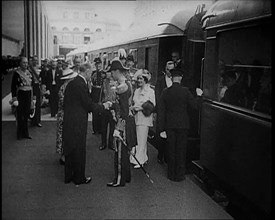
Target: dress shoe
x=112 y=184
x=102 y=147
x=88 y=180
x=111 y=148
x=28 y=137
x=39 y=125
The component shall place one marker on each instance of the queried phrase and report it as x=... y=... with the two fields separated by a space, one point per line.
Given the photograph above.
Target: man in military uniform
x=174 y=123
x=96 y=93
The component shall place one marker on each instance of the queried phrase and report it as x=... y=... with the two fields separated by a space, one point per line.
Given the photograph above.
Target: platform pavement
x=33 y=187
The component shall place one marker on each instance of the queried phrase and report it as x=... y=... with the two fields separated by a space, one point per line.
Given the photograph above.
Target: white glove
x=163 y=134
x=116 y=133
x=15 y=103
x=199 y=92
x=107 y=105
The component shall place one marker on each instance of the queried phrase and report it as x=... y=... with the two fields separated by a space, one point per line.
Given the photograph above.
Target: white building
x=74 y=27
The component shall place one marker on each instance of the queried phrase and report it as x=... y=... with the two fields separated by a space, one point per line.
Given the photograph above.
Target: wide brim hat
x=68 y=74
x=117 y=65
x=176 y=72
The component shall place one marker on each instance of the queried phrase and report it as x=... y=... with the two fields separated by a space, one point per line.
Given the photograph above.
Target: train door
x=151 y=62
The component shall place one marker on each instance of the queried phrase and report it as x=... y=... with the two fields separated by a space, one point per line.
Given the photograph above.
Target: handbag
x=147 y=108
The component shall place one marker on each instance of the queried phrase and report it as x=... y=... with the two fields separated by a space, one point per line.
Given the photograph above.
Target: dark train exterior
x=235 y=137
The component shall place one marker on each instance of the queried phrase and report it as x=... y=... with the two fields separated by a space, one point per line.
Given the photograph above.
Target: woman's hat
x=142 y=72
x=68 y=74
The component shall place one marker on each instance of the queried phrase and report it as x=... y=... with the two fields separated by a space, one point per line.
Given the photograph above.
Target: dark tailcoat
x=53 y=89
x=77 y=105
x=160 y=86
x=174 y=119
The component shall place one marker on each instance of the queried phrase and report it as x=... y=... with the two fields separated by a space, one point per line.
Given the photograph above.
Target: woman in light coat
x=142 y=94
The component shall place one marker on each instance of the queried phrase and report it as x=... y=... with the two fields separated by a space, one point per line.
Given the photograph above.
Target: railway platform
x=33 y=187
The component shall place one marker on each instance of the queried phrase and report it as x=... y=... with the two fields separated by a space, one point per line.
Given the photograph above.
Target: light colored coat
x=141 y=96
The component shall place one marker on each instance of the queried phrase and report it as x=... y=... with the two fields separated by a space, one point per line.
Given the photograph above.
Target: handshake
x=107 y=105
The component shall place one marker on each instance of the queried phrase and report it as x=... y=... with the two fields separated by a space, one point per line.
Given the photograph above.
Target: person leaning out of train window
x=21 y=90
x=144 y=97
x=179 y=63
x=174 y=123
x=163 y=81
x=233 y=94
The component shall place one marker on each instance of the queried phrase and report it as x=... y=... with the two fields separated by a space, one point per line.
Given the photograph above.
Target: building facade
x=74 y=27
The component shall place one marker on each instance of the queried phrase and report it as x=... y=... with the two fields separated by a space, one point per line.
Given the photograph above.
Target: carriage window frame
x=242 y=67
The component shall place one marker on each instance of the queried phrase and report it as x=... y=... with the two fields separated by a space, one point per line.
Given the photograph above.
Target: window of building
x=87 y=15
x=87 y=30
x=98 y=30
x=76 y=15
x=86 y=40
x=65 y=29
x=65 y=14
x=55 y=41
x=76 y=29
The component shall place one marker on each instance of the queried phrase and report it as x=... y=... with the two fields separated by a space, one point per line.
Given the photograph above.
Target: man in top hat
x=163 y=81
x=53 y=85
x=96 y=93
x=174 y=123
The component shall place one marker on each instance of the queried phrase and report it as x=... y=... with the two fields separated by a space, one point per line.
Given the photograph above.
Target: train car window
x=134 y=53
x=110 y=56
x=245 y=68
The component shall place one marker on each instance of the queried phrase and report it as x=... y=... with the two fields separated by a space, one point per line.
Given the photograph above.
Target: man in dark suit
x=163 y=82
x=53 y=85
x=77 y=105
x=174 y=123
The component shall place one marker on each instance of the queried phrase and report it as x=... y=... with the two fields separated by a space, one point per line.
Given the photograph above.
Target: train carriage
x=227 y=44
x=236 y=131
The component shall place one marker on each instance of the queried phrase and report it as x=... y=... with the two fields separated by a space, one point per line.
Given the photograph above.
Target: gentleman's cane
x=136 y=159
